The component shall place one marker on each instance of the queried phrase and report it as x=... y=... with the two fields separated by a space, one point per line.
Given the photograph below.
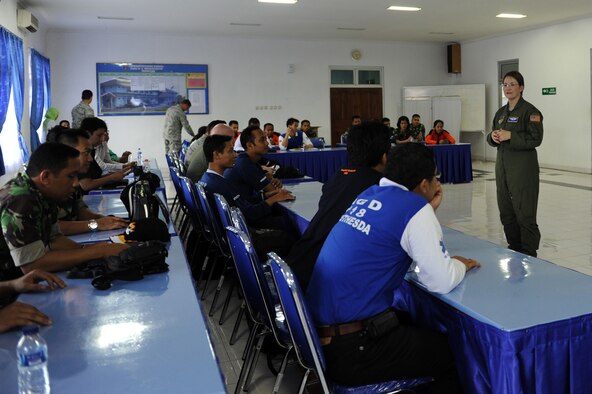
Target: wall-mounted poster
x=149 y=89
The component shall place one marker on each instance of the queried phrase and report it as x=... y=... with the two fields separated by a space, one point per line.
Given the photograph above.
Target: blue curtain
x=12 y=76
x=40 y=98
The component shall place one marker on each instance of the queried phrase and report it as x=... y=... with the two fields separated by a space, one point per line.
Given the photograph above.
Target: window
x=356 y=76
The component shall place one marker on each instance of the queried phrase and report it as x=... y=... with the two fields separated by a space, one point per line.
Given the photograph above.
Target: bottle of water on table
x=31 y=352
x=139 y=157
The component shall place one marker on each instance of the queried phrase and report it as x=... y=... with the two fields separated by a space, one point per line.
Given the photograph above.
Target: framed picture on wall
x=149 y=88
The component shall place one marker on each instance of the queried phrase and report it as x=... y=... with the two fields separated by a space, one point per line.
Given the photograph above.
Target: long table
x=518 y=324
x=147 y=336
x=319 y=164
x=453 y=161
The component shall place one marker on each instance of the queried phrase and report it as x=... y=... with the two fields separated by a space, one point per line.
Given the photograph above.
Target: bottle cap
x=28 y=330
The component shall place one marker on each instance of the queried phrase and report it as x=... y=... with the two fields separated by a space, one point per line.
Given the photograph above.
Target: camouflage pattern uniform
x=517 y=174
x=174 y=121
x=417 y=132
x=81 y=112
x=70 y=209
x=29 y=221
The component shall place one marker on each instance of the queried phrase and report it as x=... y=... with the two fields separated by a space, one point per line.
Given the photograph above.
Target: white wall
x=244 y=73
x=556 y=56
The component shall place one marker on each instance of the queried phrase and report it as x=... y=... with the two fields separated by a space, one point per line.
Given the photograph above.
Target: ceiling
x=438 y=21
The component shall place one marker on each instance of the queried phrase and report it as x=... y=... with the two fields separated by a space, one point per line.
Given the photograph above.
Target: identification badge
x=500 y=120
x=513 y=119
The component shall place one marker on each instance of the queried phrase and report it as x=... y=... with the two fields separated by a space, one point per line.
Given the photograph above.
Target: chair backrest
x=212 y=219
x=300 y=324
x=223 y=208
x=238 y=219
x=175 y=179
x=318 y=142
x=256 y=288
x=194 y=210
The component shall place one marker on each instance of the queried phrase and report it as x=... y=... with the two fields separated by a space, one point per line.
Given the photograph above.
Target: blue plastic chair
x=263 y=307
x=219 y=239
x=318 y=142
x=306 y=341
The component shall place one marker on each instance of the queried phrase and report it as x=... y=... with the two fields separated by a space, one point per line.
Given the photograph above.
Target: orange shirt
x=433 y=138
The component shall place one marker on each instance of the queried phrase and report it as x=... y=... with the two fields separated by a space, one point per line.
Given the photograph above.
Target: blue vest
x=296 y=141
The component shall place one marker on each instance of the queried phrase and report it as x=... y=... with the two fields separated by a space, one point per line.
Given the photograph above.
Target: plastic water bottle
x=146 y=166
x=31 y=352
x=139 y=157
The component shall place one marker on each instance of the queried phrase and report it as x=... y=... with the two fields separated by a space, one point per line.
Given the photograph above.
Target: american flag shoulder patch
x=535 y=118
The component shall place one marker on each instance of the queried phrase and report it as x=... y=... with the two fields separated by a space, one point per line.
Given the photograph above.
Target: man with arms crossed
x=363 y=262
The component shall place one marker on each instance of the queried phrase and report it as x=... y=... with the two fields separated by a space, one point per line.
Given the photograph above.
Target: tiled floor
x=565 y=222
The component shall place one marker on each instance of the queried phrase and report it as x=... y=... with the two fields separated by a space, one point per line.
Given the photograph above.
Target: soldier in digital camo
x=28 y=213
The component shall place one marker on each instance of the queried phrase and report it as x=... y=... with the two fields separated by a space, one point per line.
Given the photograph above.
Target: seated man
x=28 y=213
x=387 y=227
x=273 y=138
x=93 y=178
x=253 y=183
x=197 y=164
x=417 y=128
x=220 y=155
x=18 y=314
x=294 y=138
x=356 y=121
x=124 y=158
x=367 y=148
x=74 y=216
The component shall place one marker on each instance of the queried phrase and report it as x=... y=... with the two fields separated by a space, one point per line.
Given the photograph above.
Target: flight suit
x=517 y=174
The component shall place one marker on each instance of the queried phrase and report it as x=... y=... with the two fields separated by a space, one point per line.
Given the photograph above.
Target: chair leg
x=303 y=382
x=218 y=289
x=239 y=317
x=280 y=376
x=254 y=362
x=226 y=303
x=205 y=292
x=250 y=350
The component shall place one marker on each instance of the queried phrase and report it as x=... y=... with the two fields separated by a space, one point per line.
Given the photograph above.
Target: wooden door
x=347 y=102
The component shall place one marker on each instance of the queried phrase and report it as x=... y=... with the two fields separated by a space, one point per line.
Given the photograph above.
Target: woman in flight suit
x=517 y=130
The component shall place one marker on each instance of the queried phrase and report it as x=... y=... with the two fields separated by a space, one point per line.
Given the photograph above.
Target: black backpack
x=140 y=199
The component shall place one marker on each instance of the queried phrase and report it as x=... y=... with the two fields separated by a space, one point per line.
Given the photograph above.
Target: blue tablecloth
x=518 y=324
x=454 y=162
x=319 y=164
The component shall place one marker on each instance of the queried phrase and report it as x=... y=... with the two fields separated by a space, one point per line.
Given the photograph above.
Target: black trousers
x=405 y=352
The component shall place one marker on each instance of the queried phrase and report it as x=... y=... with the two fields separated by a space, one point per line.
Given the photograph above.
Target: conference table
x=319 y=164
x=147 y=336
x=453 y=161
x=518 y=324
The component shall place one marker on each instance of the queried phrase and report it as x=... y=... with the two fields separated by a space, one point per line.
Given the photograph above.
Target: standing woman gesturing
x=517 y=130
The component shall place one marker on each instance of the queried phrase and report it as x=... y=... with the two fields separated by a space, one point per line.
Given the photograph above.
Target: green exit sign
x=549 y=91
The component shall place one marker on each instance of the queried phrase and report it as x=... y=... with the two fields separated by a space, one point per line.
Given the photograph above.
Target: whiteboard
x=472 y=102
x=448 y=110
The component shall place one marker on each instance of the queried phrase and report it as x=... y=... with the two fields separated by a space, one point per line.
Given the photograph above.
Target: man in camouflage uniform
x=83 y=110
x=174 y=122
x=28 y=213
x=74 y=216
x=417 y=129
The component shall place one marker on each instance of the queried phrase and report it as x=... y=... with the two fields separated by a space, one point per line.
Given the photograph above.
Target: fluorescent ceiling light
x=511 y=16
x=116 y=18
x=279 y=1
x=400 y=8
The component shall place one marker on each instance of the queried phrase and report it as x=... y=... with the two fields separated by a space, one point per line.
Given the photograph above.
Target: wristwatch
x=93 y=225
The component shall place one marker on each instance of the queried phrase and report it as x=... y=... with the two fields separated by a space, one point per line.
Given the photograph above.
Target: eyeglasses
x=509 y=85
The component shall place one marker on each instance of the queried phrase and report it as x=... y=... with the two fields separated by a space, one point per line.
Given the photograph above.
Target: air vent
x=26 y=20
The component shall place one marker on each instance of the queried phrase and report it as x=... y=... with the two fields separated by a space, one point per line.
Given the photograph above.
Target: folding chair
x=266 y=316
x=306 y=341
